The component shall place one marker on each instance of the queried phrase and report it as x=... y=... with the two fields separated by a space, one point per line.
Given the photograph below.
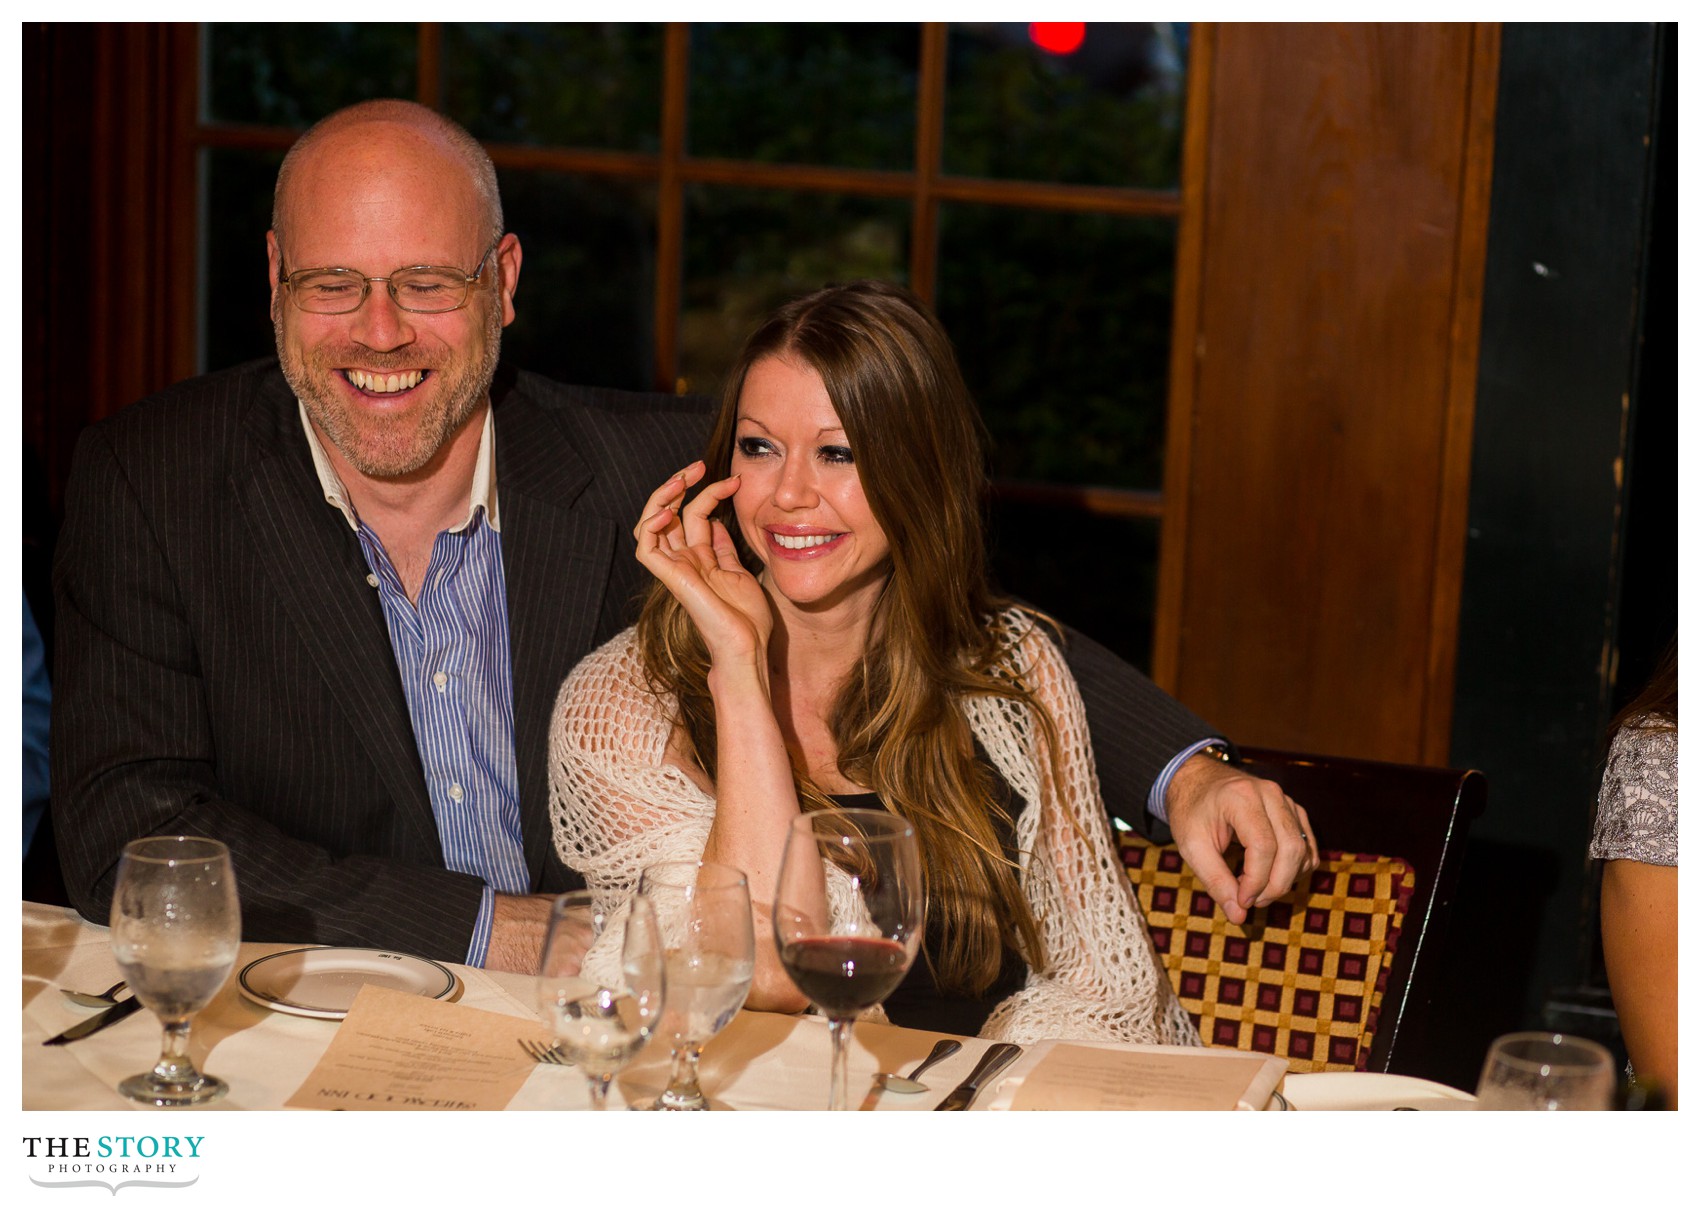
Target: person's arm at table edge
x=1638 y=933
x=131 y=755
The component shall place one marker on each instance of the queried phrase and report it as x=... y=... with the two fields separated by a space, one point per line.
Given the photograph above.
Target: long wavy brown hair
x=897 y=721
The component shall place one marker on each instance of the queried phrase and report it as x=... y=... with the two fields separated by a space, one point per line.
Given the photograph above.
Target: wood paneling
x=1311 y=571
x=110 y=223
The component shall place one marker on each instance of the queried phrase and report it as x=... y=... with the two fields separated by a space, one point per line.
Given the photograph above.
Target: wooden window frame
x=672 y=169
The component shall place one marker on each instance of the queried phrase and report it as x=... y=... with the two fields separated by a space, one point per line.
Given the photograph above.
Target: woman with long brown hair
x=822 y=632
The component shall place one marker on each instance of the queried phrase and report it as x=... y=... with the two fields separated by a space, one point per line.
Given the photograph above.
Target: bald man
x=319 y=606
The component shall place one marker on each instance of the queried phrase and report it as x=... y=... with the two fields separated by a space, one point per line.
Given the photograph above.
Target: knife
x=99 y=1022
x=997 y=1058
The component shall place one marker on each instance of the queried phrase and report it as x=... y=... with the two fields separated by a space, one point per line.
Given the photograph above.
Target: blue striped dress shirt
x=452 y=652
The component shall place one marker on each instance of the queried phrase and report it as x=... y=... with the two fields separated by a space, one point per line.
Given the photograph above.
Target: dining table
x=760 y=1061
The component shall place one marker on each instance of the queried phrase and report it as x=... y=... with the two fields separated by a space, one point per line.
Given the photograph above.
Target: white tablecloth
x=760 y=1062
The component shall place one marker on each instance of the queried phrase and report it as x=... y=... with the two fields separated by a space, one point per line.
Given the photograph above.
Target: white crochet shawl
x=617 y=805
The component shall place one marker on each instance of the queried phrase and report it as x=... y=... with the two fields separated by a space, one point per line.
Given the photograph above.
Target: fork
x=546 y=1054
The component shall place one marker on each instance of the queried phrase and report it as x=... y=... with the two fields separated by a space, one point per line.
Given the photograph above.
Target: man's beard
x=385 y=447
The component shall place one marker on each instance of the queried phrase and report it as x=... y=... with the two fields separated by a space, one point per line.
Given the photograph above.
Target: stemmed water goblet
x=176 y=926
x=602 y=1020
x=703 y=912
x=1542 y=1071
x=848 y=917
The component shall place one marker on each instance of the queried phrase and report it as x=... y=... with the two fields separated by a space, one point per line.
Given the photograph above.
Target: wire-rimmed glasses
x=333 y=290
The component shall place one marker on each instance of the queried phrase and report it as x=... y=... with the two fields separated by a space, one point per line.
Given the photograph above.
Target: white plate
x=321 y=982
x=1339 y=1091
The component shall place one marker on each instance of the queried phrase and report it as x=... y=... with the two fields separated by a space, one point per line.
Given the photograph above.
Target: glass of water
x=601 y=1018
x=703 y=911
x=176 y=927
x=1541 y=1071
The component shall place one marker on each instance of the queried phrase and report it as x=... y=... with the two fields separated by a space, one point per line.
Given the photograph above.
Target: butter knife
x=99 y=1022
x=997 y=1058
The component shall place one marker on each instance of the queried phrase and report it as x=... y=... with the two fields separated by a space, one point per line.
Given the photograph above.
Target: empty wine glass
x=176 y=927
x=703 y=912
x=848 y=917
x=1541 y=1071
x=601 y=1019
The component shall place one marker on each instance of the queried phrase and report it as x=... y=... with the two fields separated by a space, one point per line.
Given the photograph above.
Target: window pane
x=1054 y=557
x=235 y=304
x=585 y=308
x=1109 y=113
x=295 y=74
x=1062 y=324
x=807 y=93
x=585 y=85
x=747 y=251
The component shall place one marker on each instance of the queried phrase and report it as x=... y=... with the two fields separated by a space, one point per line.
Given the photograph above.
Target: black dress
x=918 y=1002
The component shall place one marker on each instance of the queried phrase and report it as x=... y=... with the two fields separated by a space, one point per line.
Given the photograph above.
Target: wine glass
x=176 y=926
x=1541 y=1071
x=703 y=912
x=601 y=1023
x=848 y=916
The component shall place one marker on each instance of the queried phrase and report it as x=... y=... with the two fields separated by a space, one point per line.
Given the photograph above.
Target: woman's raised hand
x=691 y=553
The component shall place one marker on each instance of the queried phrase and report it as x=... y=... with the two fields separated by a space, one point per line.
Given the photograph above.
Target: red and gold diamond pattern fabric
x=1303 y=977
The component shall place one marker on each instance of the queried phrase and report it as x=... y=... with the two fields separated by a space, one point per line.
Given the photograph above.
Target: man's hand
x=517 y=927
x=1211 y=805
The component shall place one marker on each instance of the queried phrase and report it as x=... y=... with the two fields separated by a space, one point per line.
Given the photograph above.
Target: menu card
x=1062 y=1075
x=402 y=1052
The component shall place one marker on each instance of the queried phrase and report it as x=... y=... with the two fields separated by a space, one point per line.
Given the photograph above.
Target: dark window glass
x=583 y=85
x=293 y=75
x=1097 y=574
x=1109 y=113
x=747 y=251
x=585 y=309
x=1061 y=321
x=806 y=93
x=235 y=303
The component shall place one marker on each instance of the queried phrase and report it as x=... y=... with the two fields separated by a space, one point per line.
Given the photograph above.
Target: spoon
x=97 y=1000
x=908 y=1085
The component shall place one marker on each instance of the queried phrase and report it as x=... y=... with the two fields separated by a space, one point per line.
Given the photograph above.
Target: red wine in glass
x=844 y=976
x=848 y=915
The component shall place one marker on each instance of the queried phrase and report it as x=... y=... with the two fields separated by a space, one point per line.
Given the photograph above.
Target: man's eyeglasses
x=424 y=288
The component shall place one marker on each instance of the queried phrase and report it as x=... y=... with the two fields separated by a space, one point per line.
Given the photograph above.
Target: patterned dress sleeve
x=1636 y=819
x=1101 y=978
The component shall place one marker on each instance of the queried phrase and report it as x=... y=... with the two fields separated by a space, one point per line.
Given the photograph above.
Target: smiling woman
x=825 y=591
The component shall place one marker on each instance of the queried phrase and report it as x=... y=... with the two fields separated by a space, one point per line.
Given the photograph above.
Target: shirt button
x=440 y=680
x=456 y=793
x=372 y=579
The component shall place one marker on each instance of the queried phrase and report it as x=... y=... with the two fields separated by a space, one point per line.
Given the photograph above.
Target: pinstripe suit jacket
x=223 y=668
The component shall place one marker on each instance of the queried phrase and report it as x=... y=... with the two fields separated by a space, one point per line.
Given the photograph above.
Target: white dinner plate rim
x=308 y=1011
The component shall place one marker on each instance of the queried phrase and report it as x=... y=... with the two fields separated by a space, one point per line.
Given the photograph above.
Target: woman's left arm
x=1102 y=977
x=1638 y=928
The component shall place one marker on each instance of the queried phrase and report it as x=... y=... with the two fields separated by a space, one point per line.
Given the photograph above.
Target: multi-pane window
x=672 y=183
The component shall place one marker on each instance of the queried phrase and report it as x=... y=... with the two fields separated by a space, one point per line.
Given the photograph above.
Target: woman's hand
x=692 y=554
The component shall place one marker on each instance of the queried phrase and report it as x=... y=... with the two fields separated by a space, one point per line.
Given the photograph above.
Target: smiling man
x=319 y=606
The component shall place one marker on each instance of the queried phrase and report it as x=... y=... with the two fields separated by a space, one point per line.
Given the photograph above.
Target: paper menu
x=1073 y=1075
x=398 y=1051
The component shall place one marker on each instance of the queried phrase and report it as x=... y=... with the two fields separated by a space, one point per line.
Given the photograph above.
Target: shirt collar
x=483 y=475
